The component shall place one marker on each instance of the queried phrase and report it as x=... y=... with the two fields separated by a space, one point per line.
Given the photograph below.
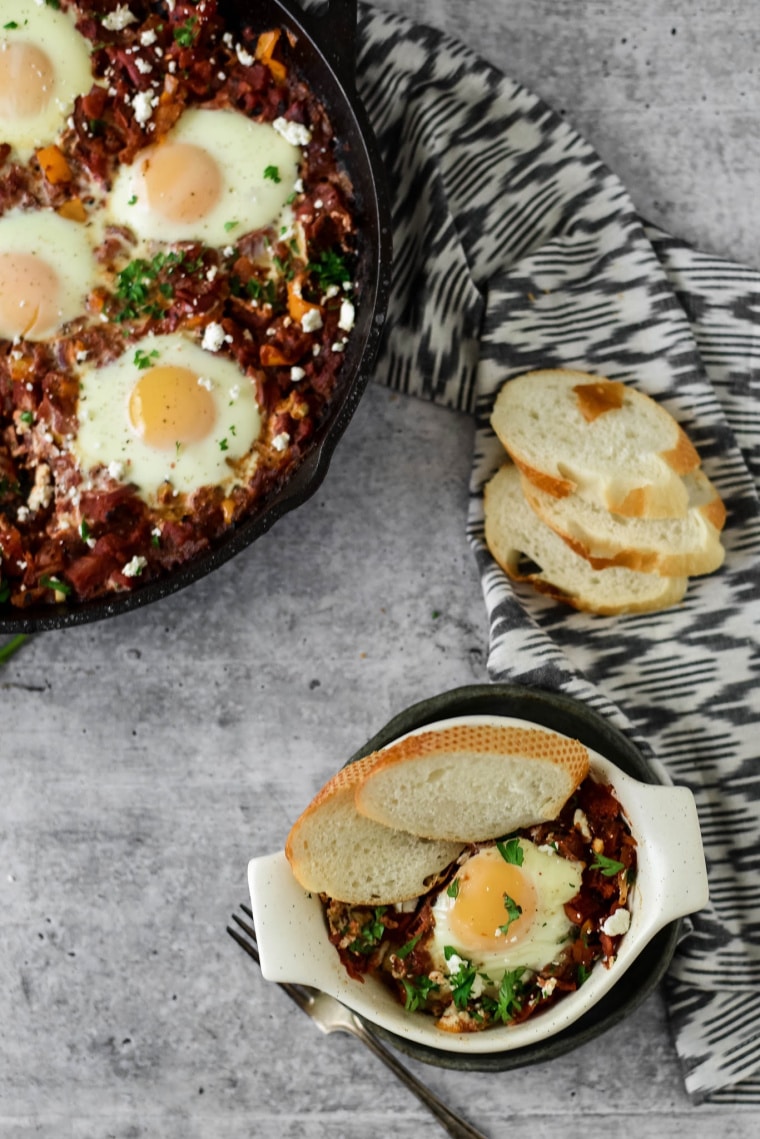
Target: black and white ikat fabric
x=515 y=248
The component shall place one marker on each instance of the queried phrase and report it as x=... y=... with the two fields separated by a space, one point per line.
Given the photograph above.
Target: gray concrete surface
x=144 y=760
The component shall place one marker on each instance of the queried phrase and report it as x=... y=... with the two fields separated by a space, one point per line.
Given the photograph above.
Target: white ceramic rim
x=671 y=882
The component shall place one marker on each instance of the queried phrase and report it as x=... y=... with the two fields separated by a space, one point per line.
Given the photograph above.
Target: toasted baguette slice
x=514 y=533
x=472 y=782
x=675 y=546
x=569 y=432
x=334 y=850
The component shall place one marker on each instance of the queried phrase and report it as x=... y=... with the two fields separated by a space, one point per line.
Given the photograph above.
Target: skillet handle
x=332 y=24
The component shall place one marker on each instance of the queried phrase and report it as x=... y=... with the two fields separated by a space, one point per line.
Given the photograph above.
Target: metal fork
x=331 y=1016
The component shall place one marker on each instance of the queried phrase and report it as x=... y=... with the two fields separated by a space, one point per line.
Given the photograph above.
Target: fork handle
x=451 y=1123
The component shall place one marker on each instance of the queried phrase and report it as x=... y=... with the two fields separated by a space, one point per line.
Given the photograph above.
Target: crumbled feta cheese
x=135 y=567
x=143 y=66
x=117 y=469
x=331 y=291
x=22 y=514
x=297 y=374
x=347 y=316
x=119 y=19
x=294 y=133
x=81 y=355
x=338 y=346
x=211 y=274
x=455 y=962
x=213 y=337
x=281 y=441
x=148 y=37
x=205 y=382
x=298 y=185
x=547 y=985
x=318 y=203
x=143 y=104
x=617 y=923
x=244 y=57
x=228 y=251
x=311 y=321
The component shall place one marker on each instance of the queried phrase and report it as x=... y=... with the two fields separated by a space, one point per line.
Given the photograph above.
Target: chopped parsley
x=228 y=225
x=511 y=851
x=27 y=417
x=185 y=33
x=417 y=991
x=144 y=359
x=462 y=981
x=608 y=866
x=223 y=445
x=133 y=200
x=513 y=912
x=405 y=950
x=508 y=1002
x=138 y=283
x=370 y=934
x=453 y=889
x=329 y=268
x=84 y=530
x=272 y=173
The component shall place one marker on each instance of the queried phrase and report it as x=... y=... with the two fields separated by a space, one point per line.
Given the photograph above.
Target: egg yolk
x=168 y=406
x=494 y=906
x=182 y=182
x=29 y=291
x=26 y=81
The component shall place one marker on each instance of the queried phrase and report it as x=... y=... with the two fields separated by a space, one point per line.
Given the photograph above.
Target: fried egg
x=500 y=915
x=216 y=175
x=166 y=411
x=44 y=65
x=47 y=269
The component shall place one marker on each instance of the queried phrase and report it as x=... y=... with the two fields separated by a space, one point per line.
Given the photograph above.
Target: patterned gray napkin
x=516 y=248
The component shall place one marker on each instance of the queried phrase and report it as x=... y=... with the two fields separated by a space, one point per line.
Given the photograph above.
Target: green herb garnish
x=144 y=359
x=329 y=268
x=14 y=644
x=55 y=583
x=371 y=933
x=27 y=417
x=272 y=173
x=185 y=34
x=453 y=889
x=608 y=866
x=513 y=912
x=417 y=991
x=405 y=950
x=511 y=851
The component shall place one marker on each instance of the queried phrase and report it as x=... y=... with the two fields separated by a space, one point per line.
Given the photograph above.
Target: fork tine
x=251 y=950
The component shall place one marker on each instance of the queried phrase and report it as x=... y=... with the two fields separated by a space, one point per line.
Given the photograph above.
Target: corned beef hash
x=177 y=252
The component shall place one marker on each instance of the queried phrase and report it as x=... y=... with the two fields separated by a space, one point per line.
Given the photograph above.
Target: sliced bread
x=472 y=782
x=676 y=546
x=529 y=550
x=334 y=850
x=570 y=432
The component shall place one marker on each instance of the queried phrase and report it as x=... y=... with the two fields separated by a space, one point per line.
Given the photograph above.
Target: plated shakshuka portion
x=177 y=261
x=481 y=873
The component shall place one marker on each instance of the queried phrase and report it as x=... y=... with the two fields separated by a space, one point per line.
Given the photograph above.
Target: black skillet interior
x=550 y=710
x=324 y=51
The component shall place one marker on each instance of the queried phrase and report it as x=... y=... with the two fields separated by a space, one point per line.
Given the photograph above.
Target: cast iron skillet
x=325 y=54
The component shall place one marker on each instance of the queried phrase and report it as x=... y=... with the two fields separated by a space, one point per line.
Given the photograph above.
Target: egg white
x=60 y=245
x=242 y=151
x=107 y=438
x=53 y=33
x=555 y=881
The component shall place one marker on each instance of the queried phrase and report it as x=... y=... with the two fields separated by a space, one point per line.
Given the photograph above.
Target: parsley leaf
x=144 y=359
x=511 y=851
x=272 y=173
x=185 y=34
x=608 y=866
x=417 y=991
x=55 y=583
x=371 y=933
x=453 y=889
x=513 y=912
x=406 y=949
x=329 y=268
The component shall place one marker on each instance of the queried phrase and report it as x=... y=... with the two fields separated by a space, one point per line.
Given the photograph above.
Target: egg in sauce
x=501 y=915
x=215 y=176
x=44 y=65
x=47 y=269
x=167 y=411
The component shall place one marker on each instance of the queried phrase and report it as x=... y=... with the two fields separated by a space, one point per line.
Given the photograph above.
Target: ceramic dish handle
x=333 y=26
x=673 y=847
